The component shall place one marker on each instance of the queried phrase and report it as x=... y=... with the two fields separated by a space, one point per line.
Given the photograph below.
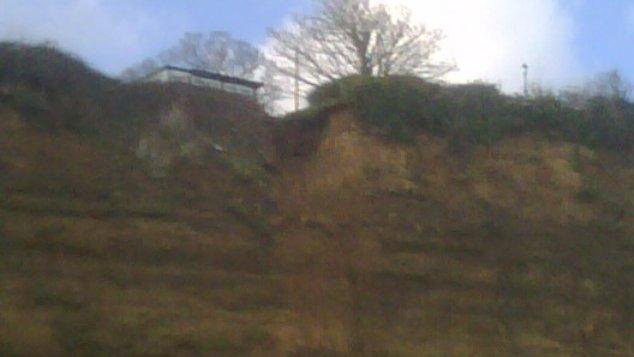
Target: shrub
x=608 y=123
x=32 y=105
x=46 y=68
x=546 y=113
x=312 y=112
x=52 y=88
x=401 y=105
x=475 y=113
x=397 y=105
x=393 y=104
x=478 y=98
x=335 y=91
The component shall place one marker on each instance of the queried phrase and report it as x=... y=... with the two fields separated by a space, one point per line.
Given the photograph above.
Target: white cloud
x=107 y=38
x=490 y=39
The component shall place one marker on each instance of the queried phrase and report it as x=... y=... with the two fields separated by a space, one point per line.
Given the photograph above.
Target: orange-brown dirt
x=316 y=238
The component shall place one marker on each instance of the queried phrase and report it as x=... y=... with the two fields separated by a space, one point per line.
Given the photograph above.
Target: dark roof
x=216 y=76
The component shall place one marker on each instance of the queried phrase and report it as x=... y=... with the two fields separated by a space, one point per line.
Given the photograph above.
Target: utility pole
x=525 y=68
x=296 y=80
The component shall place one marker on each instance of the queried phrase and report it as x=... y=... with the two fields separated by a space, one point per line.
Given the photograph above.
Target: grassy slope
x=359 y=245
x=525 y=245
x=98 y=256
x=98 y=252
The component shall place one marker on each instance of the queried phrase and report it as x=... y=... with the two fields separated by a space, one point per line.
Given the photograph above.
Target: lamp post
x=296 y=92
x=525 y=73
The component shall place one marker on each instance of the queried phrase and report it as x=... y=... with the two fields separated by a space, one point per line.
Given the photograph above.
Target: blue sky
x=564 y=41
x=605 y=35
x=244 y=19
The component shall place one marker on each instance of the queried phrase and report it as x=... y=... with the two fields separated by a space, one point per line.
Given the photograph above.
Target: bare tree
x=141 y=69
x=272 y=91
x=215 y=51
x=345 y=37
x=610 y=85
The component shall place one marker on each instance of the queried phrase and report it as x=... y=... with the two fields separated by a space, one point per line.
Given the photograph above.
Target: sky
x=563 y=41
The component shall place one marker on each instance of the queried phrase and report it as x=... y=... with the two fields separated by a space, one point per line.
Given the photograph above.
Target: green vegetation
x=345 y=244
x=55 y=91
x=477 y=113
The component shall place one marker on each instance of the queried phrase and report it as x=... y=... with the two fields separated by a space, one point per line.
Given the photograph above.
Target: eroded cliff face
x=352 y=244
x=535 y=178
x=372 y=228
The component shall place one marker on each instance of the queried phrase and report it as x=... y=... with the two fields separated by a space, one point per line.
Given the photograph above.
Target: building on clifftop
x=202 y=78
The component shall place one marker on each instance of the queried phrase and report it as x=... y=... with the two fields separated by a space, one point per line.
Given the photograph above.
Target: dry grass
x=467 y=246
x=362 y=247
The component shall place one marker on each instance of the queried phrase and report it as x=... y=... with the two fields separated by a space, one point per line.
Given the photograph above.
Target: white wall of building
x=170 y=75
